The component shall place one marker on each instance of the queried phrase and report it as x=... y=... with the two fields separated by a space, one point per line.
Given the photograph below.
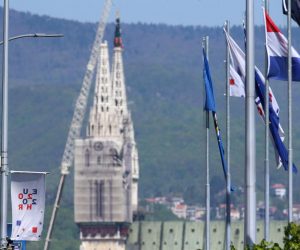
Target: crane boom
x=78 y=116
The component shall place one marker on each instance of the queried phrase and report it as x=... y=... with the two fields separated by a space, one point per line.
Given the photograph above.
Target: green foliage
x=265 y=245
x=291 y=240
x=292 y=237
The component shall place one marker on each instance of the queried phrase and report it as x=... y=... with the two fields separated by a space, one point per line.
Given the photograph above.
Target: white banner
x=28 y=205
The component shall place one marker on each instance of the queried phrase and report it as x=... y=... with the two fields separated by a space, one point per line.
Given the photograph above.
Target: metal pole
x=4 y=158
x=207 y=230
x=4 y=161
x=54 y=212
x=267 y=164
x=4 y=153
x=290 y=219
x=250 y=198
x=228 y=177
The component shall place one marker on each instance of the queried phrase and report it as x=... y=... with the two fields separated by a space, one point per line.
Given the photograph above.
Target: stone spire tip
x=118 y=38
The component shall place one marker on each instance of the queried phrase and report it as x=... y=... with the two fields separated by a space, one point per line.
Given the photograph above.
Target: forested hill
x=164 y=86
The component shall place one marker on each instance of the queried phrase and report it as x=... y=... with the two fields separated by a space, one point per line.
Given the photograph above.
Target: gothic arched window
x=99 y=160
x=87 y=158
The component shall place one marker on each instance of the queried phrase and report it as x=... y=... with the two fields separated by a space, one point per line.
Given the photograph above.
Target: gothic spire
x=118 y=38
x=118 y=79
x=101 y=111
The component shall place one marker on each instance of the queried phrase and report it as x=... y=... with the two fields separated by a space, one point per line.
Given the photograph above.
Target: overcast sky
x=184 y=12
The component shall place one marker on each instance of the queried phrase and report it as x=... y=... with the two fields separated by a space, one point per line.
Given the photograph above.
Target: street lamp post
x=4 y=142
x=34 y=35
x=4 y=162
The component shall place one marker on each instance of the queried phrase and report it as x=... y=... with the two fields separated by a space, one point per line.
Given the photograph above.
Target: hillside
x=164 y=86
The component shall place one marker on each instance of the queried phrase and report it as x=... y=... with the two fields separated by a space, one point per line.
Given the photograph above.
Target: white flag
x=28 y=205
x=238 y=70
x=238 y=74
x=236 y=87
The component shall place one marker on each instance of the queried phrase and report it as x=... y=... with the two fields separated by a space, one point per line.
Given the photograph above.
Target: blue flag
x=220 y=144
x=209 y=92
x=274 y=124
x=211 y=106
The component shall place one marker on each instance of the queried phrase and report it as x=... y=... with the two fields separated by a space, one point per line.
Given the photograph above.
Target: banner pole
x=228 y=176
x=4 y=148
x=290 y=178
x=250 y=154
x=207 y=226
x=267 y=162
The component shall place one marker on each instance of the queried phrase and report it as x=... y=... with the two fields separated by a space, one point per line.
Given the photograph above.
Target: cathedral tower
x=106 y=161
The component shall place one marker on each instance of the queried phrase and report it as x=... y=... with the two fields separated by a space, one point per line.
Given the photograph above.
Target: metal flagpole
x=228 y=177
x=207 y=226
x=290 y=219
x=4 y=156
x=267 y=164
x=250 y=195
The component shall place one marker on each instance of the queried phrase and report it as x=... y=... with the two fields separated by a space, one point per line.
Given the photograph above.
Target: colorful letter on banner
x=28 y=205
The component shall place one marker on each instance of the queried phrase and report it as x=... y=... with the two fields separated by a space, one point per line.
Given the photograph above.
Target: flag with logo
x=28 y=205
x=277 y=50
x=295 y=10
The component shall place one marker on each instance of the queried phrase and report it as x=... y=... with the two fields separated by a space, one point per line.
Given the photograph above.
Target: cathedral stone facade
x=106 y=161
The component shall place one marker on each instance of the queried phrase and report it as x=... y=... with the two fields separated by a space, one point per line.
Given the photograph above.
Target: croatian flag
x=277 y=49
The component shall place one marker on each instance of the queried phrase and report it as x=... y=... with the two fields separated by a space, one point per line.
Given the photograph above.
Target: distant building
x=158 y=200
x=180 y=210
x=190 y=213
x=235 y=214
x=221 y=211
x=177 y=200
x=296 y=212
x=199 y=213
x=279 y=190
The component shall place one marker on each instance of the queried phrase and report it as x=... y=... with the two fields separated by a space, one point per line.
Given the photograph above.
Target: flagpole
x=207 y=226
x=4 y=156
x=250 y=175
x=228 y=177
x=290 y=195
x=267 y=163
